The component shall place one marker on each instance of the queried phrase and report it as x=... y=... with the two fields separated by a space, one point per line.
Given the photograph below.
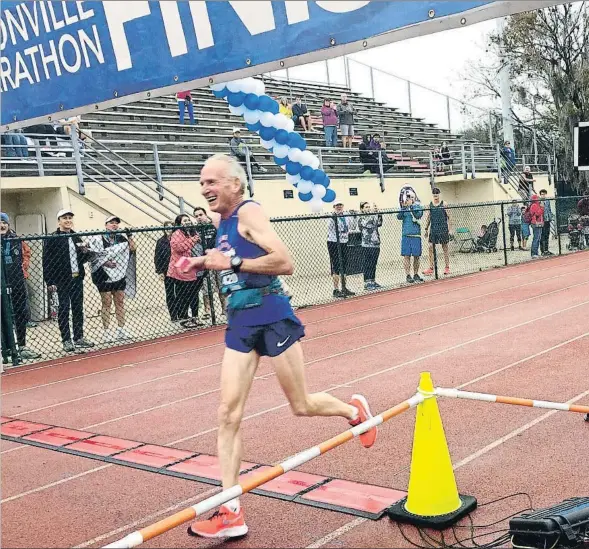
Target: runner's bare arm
x=255 y=225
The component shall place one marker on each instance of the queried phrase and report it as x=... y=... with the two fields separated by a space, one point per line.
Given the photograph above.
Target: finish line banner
x=59 y=59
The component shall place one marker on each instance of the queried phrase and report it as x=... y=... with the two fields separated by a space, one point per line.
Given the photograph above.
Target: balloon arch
x=262 y=115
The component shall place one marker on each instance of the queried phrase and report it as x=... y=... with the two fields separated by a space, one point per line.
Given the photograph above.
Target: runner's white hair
x=234 y=168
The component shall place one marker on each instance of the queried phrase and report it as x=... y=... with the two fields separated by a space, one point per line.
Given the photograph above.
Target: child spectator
x=330 y=121
x=514 y=215
x=525 y=229
x=410 y=214
x=369 y=225
x=161 y=259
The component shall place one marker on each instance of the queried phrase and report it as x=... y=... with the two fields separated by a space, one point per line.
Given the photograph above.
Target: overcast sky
x=436 y=61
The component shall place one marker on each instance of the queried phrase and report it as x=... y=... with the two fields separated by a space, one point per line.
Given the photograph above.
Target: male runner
x=250 y=256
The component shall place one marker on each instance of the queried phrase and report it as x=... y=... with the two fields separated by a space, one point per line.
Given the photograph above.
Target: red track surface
x=519 y=331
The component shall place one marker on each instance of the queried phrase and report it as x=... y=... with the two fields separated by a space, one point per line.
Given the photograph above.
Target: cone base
x=398 y=513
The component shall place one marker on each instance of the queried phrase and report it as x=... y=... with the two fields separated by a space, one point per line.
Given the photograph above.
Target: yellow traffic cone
x=432 y=500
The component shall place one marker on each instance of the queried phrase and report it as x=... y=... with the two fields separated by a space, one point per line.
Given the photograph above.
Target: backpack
x=527 y=215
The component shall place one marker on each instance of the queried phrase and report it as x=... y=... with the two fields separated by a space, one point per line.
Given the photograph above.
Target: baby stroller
x=488 y=242
x=578 y=228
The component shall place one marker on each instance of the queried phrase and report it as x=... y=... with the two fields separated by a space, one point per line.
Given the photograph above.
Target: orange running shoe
x=223 y=524
x=369 y=437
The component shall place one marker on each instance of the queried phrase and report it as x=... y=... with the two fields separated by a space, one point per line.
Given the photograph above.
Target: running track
x=520 y=331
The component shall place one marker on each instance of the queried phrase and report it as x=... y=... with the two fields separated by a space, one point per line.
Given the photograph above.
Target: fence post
x=550 y=175
x=248 y=165
x=432 y=177
x=504 y=235
x=342 y=273
x=474 y=169
x=78 y=160
x=381 y=170
x=39 y=159
x=448 y=112
x=158 y=171
x=463 y=157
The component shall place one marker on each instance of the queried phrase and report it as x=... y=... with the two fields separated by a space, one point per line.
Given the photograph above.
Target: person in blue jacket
x=411 y=212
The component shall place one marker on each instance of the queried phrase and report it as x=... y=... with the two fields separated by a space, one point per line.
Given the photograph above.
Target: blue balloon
x=267 y=134
x=293 y=168
x=318 y=177
x=221 y=93
x=274 y=107
x=307 y=172
x=327 y=181
x=235 y=99
x=251 y=101
x=281 y=161
x=281 y=137
x=306 y=197
x=253 y=127
x=294 y=140
x=265 y=103
x=329 y=196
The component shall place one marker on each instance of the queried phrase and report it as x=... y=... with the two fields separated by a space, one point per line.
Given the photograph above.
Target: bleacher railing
x=51 y=312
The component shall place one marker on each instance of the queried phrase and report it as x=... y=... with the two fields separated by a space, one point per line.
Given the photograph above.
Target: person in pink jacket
x=185 y=242
x=185 y=102
x=330 y=122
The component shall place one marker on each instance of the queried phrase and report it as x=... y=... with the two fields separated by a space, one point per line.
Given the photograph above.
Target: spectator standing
x=583 y=210
x=509 y=155
x=185 y=103
x=330 y=122
x=301 y=115
x=369 y=227
x=186 y=286
x=337 y=246
x=548 y=217
x=12 y=264
x=514 y=216
x=239 y=148
x=527 y=181
x=534 y=215
x=410 y=214
x=64 y=255
x=161 y=259
x=345 y=112
x=207 y=230
x=110 y=262
x=438 y=227
x=525 y=228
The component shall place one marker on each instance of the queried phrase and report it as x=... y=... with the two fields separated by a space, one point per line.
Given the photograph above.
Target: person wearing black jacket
x=161 y=259
x=63 y=272
x=12 y=264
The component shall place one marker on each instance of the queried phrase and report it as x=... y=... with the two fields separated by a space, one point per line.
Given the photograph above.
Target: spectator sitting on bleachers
x=377 y=145
x=367 y=156
x=438 y=163
x=14 y=145
x=301 y=115
x=285 y=108
x=447 y=159
x=185 y=102
x=12 y=263
x=238 y=149
x=345 y=112
x=330 y=121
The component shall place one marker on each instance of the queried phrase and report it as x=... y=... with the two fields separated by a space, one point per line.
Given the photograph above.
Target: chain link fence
x=64 y=294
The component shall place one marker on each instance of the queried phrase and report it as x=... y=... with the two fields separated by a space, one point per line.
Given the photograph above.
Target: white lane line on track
x=393 y=292
x=306 y=340
x=352 y=524
x=500 y=441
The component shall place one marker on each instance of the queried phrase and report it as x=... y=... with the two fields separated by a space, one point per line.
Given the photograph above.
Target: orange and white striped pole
x=140 y=536
x=484 y=397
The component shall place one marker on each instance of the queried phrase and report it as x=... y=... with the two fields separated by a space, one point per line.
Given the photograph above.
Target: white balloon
x=217 y=87
x=251 y=117
x=234 y=86
x=267 y=119
x=294 y=154
x=290 y=125
x=260 y=88
x=318 y=191
x=293 y=179
x=237 y=111
x=305 y=186
x=316 y=205
x=280 y=151
x=280 y=121
x=315 y=163
x=268 y=144
x=248 y=85
x=306 y=158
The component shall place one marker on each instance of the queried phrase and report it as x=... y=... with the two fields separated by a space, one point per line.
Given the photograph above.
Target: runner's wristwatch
x=236 y=263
